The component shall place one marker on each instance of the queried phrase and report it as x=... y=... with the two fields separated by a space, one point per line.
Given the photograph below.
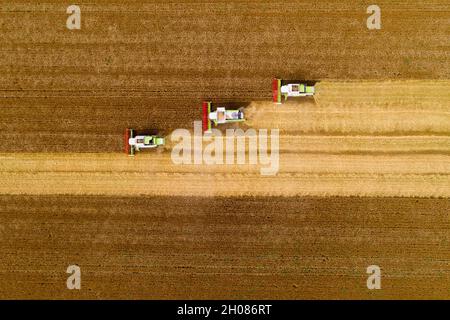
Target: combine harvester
x=219 y=116
x=136 y=143
x=283 y=89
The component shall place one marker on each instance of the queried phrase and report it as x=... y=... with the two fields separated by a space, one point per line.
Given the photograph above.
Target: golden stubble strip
x=155 y=174
x=361 y=108
x=340 y=144
x=202 y=184
x=355 y=139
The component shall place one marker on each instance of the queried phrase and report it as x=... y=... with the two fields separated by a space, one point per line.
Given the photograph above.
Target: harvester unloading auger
x=136 y=143
x=219 y=116
x=282 y=89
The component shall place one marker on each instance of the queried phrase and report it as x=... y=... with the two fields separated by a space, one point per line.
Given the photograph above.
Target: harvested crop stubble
x=362 y=108
x=155 y=174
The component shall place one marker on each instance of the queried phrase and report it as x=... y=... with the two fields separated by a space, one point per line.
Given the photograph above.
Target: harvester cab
x=136 y=143
x=219 y=116
x=281 y=90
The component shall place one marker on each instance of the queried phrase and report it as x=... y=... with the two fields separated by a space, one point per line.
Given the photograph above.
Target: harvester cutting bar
x=126 y=137
x=276 y=90
x=206 y=109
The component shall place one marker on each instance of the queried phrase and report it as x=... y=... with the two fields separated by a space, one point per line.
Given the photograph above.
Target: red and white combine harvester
x=219 y=116
x=134 y=143
x=282 y=89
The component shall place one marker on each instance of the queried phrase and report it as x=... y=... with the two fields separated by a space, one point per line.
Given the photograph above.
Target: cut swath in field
x=155 y=174
x=361 y=108
x=356 y=138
